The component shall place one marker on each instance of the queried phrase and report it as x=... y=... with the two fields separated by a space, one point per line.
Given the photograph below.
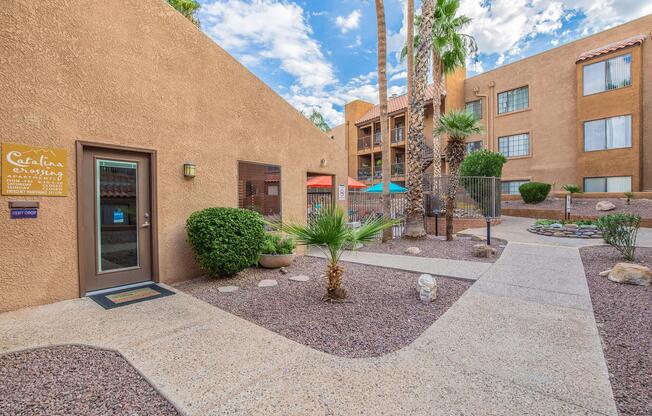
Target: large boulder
x=483 y=251
x=605 y=206
x=628 y=273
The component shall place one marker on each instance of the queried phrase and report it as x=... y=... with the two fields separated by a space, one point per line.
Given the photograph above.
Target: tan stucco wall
x=551 y=118
x=140 y=76
x=338 y=135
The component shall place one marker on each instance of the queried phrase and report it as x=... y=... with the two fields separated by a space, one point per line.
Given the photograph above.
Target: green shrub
x=571 y=188
x=225 y=240
x=275 y=244
x=629 y=196
x=619 y=231
x=483 y=163
x=534 y=192
x=564 y=222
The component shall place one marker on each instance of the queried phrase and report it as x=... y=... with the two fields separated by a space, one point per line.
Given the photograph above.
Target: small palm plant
x=330 y=232
x=458 y=126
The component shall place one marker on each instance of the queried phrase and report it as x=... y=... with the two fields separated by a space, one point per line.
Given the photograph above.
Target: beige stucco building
x=580 y=113
x=128 y=95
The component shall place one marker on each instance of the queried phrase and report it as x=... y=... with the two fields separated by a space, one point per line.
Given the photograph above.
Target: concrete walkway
x=521 y=340
x=457 y=269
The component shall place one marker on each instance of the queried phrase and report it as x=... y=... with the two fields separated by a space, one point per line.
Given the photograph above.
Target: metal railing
x=318 y=202
x=398 y=135
x=364 y=142
x=398 y=169
x=476 y=197
x=378 y=172
x=377 y=138
x=364 y=172
x=367 y=205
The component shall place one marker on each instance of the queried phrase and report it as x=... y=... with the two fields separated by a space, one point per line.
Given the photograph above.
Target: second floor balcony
x=364 y=142
x=398 y=135
x=377 y=138
x=364 y=173
x=398 y=169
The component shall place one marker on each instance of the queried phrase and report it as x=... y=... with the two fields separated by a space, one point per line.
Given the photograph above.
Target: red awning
x=327 y=182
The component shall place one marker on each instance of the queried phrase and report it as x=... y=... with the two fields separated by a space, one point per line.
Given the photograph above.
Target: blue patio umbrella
x=378 y=188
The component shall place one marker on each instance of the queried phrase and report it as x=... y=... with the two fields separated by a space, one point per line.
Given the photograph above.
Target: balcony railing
x=377 y=138
x=398 y=135
x=364 y=173
x=398 y=169
x=364 y=142
x=378 y=172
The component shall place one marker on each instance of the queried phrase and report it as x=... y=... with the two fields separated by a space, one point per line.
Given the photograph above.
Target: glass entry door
x=116 y=219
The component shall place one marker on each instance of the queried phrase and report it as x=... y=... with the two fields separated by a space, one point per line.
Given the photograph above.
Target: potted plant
x=276 y=251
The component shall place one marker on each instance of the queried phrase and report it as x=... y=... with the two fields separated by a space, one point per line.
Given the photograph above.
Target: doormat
x=124 y=297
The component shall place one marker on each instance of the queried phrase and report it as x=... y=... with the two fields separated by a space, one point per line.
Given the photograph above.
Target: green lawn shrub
x=483 y=163
x=534 y=192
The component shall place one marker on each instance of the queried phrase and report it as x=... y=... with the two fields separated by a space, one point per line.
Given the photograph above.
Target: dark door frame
x=83 y=145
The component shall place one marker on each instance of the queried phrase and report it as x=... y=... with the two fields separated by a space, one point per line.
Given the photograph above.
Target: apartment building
x=580 y=113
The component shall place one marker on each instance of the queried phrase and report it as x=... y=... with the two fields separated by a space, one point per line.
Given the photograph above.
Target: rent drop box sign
x=29 y=170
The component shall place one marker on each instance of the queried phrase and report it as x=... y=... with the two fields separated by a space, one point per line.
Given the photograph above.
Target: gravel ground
x=383 y=315
x=459 y=249
x=586 y=206
x=75 y=380
x=624 y=317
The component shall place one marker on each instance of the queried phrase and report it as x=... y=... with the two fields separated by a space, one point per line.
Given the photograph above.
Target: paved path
x=457 y=269
x=521 y=340
x=514 y=229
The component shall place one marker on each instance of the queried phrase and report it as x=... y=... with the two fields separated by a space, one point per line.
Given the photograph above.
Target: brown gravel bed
x=624 y=317
x=436 y=247
x=586 y=206
x=384 y=314
x=75 y=380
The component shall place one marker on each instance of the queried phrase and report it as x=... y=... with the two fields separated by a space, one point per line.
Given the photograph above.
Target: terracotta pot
x=275 y=261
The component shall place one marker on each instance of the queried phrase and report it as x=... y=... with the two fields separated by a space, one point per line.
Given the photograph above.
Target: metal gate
x=365 y=205
x=319 y=200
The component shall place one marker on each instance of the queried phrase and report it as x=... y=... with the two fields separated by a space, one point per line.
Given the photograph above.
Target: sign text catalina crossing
x=30 y=170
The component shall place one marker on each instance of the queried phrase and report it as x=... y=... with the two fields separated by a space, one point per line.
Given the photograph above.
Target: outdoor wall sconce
x=189 y=170
x=322 y=163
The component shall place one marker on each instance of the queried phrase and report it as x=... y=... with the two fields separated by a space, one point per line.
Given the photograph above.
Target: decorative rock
x=283 y=270
x=227 y=289
x=571 y=226
x=556 y=226
x=483 y=250
x=559 y=234
x=604 y=206
x=267 y=283
x=427 y=288
x=632 y=274
x=300 y=278
x=478 y=238
x=412 y=251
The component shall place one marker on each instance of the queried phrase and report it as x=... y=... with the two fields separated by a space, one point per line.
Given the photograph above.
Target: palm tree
x=409 y=52
x=458 y=126
x=414 y=223
x=188 y=8
x=384 y=121
x=331 y=232
x=450 y=49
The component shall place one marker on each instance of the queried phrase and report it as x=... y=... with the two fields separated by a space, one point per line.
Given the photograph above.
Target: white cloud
x=270 y=30
x=350 y=22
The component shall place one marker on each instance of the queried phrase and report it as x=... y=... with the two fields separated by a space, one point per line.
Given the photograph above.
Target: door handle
x=145 y=225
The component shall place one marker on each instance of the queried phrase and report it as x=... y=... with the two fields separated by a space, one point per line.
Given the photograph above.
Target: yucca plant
x=330 y=232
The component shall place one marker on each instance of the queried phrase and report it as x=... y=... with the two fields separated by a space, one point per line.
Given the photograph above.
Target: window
x=511 y=187
x=608 y=75
x=473 y=146
x=608 y=133
x=514 y=146
x=475 y=108
x=513 y=100
x=608 y=184
x=259 y=189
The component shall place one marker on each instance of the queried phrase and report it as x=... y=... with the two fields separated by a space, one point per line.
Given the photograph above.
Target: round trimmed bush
x=483 y=163
x=225 y=240
x=534 y=192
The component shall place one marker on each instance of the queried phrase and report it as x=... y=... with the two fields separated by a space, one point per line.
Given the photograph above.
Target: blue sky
x=322 y=54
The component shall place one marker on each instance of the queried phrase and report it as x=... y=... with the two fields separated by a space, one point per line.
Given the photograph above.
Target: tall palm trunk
x=414 y=224
x=455 y=152
x=384 y=121
x=437 y=80
x=410 y=56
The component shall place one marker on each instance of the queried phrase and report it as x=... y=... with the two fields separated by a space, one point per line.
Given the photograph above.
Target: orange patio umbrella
x=327 y=182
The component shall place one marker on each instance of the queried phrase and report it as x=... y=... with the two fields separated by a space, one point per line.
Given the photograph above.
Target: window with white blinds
x=607 y=75
x=608 y=184
x=608 y=133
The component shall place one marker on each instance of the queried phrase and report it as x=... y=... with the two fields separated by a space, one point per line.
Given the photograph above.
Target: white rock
x=604 y=206
x=427 y=288
x=412 y=250
x=300 y=278
x=632 y=274
x=267 y=283
x=227 y=289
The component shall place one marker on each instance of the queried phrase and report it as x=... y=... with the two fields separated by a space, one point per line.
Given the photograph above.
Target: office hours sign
x=34 y=170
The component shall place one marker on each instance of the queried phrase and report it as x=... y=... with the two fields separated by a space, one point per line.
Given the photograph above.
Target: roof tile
x=393 y=105
x=614 y=46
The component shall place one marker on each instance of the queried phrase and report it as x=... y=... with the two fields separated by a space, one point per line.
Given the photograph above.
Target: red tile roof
x=393 y=105
x=621 y=44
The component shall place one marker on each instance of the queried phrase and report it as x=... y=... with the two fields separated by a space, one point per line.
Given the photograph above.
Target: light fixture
x=189 y=170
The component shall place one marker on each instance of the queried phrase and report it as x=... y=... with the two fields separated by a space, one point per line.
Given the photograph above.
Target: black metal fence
x=318 y=200
x=477 y=197
x=365 y=205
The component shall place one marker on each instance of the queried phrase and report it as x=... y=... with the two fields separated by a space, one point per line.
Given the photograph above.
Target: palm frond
x=458 y=125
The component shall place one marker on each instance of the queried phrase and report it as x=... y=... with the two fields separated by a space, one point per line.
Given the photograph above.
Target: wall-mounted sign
x=342 y=193
x=118 y=216
x=18 y=213
x=30 y=170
